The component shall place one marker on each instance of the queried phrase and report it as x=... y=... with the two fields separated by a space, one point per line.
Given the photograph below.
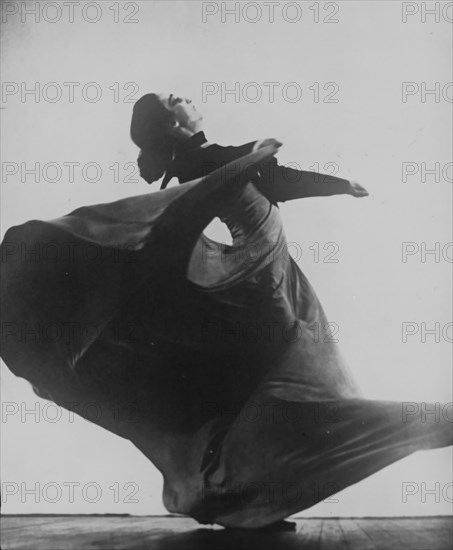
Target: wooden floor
x=175 y=533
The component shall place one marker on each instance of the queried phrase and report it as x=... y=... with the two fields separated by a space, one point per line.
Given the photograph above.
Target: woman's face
x=184 y=111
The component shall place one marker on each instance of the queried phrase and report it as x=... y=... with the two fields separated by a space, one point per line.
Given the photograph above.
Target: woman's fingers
x=357 y=190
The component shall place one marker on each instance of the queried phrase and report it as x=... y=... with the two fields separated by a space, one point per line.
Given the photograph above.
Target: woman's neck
x=184 y=134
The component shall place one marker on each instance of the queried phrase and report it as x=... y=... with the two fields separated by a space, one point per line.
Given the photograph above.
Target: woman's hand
x=356 y=190
x=265 y=143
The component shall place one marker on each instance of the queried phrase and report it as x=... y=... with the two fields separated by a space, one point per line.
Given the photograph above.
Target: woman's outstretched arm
x=277 y=183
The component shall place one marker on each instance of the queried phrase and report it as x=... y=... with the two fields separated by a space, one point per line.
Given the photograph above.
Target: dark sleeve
x=281 y=183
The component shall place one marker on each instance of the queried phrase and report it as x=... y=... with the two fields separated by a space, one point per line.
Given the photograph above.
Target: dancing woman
x=245 y=430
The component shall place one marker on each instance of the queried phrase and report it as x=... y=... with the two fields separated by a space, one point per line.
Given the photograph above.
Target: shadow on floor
x=180 y=533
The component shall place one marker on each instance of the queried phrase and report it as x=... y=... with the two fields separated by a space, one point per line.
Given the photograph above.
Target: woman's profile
x=240 y=396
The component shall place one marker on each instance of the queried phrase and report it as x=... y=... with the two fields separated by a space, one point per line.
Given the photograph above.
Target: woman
x=239 y=396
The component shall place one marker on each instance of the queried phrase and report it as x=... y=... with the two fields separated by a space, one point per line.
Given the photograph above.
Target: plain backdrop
x=368 y=133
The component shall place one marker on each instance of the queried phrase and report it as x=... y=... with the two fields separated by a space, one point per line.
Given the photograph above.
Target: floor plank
x=356 y=538
x=178 y=533
x=309 y=533
x=332 y=536
x=381 y=535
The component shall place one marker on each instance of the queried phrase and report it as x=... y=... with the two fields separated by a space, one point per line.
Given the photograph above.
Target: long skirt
x=216 y=361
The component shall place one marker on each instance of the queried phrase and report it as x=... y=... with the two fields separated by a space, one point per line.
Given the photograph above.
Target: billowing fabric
x=216 y=361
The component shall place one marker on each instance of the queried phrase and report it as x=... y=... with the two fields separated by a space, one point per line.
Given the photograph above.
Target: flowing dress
x=216 y=361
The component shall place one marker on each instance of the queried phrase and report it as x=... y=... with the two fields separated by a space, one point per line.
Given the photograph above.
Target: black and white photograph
x=226 y=275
